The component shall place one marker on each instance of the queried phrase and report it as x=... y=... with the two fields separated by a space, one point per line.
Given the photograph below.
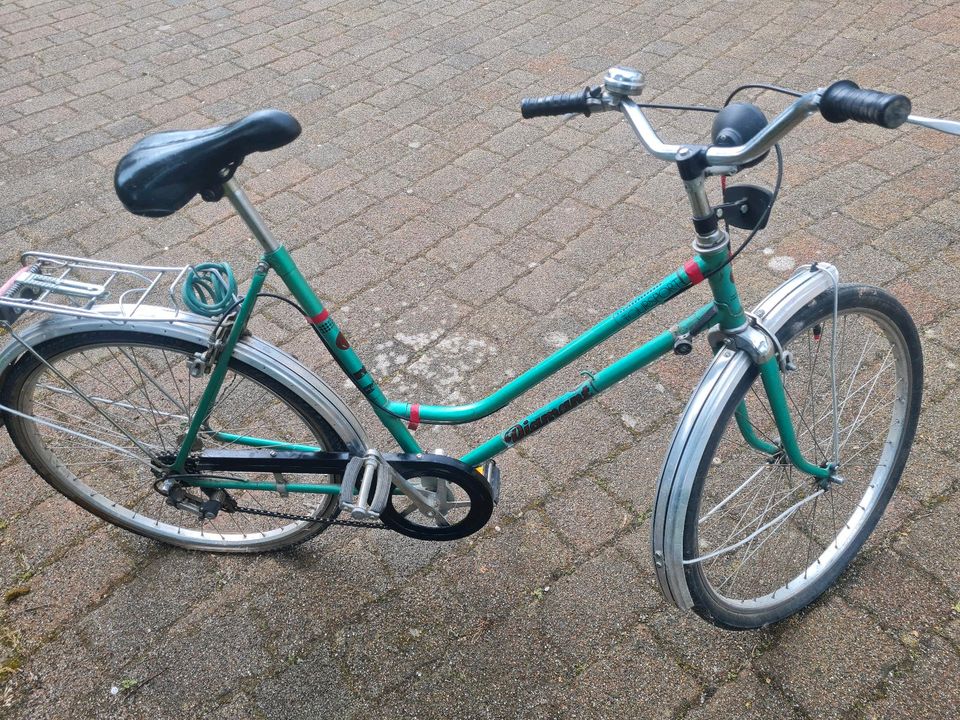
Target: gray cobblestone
x=417 y=202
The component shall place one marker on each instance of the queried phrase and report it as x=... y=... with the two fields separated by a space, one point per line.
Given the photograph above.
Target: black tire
x=715 y=595
x=82 y=470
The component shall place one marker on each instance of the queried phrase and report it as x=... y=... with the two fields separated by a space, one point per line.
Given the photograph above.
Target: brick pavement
x=419 y=203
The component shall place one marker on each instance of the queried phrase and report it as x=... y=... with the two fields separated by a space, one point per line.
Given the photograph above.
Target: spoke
x=183 y=405
x=866 y=417
x=742 y=523
x=93 y=405
x=813 y=524
x=129 y=376
x=77 y=419
x=115 y=403
x=776 y=521
x=70 y=431
x=842 y=407
x=143 y=389
x=150 y=379
x=862 y=406
x=820 y=452
x=729 y=497
x=762 y=404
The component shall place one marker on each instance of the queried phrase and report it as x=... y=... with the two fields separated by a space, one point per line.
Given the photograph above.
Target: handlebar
x=573 y=102
x=843 y=100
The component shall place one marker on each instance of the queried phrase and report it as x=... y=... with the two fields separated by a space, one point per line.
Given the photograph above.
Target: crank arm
x=417 y=498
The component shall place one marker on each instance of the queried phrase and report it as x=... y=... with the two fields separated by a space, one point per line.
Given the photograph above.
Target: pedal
x=372 y=467
x=357 y=501
x=492 y=473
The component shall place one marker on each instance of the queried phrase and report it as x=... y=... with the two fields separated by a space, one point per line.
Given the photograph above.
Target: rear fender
x=263 y=356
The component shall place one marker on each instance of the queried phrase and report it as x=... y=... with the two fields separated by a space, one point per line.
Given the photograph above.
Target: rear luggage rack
x=82 y=287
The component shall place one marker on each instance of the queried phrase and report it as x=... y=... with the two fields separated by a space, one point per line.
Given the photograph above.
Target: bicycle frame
x=400 y=418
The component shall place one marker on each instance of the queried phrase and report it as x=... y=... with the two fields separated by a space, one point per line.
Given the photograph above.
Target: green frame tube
x=219 y=372
x=659 y=294
x=217 y=483
x=589 y=389
x=395 y=415
x=773 y=385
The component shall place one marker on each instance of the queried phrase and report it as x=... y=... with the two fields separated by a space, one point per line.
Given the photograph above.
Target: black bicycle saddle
x=164 y=171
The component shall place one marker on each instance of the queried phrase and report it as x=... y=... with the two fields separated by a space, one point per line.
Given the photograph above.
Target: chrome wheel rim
x=766 y=532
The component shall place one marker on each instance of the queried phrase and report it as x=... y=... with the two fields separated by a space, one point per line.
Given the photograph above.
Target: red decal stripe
x=693 y=271
x=414 y=417
x=317 y=319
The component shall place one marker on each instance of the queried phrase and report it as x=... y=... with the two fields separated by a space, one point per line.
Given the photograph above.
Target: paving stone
x=929 y=542
x=713 y=653
x=745 y=698
x=77 y=580
x=633 y=679
x=833 y=661
x=612 y=586
x=545 y=287
x=419 y=203
x=498 y=575
x=914 y=603
x=586 y=515
x=922 y=691
x=302 y=687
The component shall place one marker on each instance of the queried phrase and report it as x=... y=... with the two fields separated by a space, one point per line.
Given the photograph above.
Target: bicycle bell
x=621 y=80
x=737 y=124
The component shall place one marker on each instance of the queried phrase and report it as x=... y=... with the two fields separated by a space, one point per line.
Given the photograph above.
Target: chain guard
x=411 y=466
x=475 y=485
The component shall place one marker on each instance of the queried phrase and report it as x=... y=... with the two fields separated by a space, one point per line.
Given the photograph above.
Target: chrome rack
x=83 y=287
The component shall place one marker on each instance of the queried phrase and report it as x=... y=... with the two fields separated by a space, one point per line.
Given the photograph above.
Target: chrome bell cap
x=623 y=81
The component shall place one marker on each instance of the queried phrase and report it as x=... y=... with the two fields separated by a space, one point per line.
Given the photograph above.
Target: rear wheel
x=115 y=400
x=761 y=539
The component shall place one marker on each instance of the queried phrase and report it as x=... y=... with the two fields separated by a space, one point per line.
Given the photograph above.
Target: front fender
x=160 y=321
x=698 y=419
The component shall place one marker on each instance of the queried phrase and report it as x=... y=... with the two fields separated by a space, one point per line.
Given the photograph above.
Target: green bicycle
x=169 y=419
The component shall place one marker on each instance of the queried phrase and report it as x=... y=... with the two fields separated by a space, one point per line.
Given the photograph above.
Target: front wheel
x=95 y=415
x=761 y=539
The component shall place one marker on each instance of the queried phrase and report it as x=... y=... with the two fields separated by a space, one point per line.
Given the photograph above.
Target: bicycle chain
x=307 y=518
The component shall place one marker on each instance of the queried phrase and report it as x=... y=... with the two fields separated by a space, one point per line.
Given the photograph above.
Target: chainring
x=474 y=490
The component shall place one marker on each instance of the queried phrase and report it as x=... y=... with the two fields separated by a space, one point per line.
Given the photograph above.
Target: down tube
x=589 y=389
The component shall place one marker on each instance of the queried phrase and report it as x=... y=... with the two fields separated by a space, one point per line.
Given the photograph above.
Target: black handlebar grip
x=572 y=102
x=844 y=100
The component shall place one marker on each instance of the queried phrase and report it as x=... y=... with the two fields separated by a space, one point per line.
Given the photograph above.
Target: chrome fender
x=693 y=431
x=270 y=360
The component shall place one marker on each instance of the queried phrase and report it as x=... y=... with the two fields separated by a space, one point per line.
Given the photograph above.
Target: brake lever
x=951 y=127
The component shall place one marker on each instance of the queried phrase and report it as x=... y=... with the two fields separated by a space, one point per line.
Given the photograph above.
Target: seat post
x=241 y=203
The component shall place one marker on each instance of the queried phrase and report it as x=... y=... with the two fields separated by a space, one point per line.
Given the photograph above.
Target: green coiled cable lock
x=210 y=289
